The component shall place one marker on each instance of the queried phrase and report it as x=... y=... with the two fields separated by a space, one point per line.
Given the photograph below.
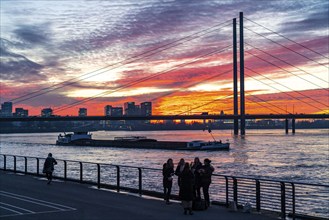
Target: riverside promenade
x=29 y=197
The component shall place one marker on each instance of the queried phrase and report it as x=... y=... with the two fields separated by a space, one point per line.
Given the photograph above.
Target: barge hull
x=161 y=145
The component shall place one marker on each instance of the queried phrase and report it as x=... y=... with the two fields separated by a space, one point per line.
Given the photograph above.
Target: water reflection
x=268 y=153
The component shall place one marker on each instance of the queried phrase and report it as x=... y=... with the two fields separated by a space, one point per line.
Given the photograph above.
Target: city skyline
x=47 y=43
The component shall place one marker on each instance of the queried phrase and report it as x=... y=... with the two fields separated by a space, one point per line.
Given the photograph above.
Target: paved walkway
x=29 y=197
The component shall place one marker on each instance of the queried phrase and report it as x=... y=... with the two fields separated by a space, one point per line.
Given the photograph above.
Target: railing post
x=293 y=202
x=226 y=191
x=140 y=180
x=4 y=162
x=257 y=195
x=38 y=163
x=283 y=200
x=65 y=170
x=15 y=164
x=235 y=190
x=81 y=172
x=98 y=176
x=25 y=163
x=118 y=178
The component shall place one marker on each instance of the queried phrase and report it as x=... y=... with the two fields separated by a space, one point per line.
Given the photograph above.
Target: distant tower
x=20 y=112
x=7 y=109
x=82 y=112
x=46 y=112
x=109 y=110
x=130 y=109
x=146 y=108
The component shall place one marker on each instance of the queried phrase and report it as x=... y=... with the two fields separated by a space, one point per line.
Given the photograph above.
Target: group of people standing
x=191 y=178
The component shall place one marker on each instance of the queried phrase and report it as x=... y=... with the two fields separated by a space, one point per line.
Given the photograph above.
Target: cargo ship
x=85 y=139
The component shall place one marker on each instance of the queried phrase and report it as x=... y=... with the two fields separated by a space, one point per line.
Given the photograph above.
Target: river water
x=302 y=157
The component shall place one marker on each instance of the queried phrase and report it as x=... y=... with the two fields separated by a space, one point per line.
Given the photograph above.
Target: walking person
x=206 y=173
x=195 y=168
x=48 y=167
x=186 y=189
x=179 y=169
x=168 y=173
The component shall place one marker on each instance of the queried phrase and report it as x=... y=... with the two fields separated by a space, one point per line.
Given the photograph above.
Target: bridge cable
x=215 y=100
x=284 y=85
x=288 y=63
x=124 y=62
x=137 y=81
x=281 y=90
x=192 y=84
x=265 y=105
x=287 y=38
x=288 y=48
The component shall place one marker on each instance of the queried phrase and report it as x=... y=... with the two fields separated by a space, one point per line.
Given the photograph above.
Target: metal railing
x=284 y=198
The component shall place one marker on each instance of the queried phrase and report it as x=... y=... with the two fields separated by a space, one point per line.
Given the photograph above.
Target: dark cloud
x=318 y=20
x=17 y=67
x=32 y=34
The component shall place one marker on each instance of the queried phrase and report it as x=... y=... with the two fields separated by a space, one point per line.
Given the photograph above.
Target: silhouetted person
x=186 y=188
x=48 y=167
x=179 y=169
x=196 y=166
x=206 y=173
x=168 y=173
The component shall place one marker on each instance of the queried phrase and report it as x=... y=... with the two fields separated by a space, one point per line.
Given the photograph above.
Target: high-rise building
x=113 y=111
x=131 y=109
x=20 y=112
x=146 y=108
x=7 y=109
x=46 y=112
x=82 y=112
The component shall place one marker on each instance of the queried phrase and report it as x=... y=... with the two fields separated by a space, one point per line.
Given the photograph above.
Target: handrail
x=150 y=168
x=278 y=196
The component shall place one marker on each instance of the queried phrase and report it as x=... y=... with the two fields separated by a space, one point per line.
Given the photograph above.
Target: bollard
x=98 y=176
x=25 y=163
x=283 y=201
x=235 y=190
x=38 y=172
x=65 y=170
x=226 y=190
x=81 y=172
x=118 y=178
x=14 y=164
x=257 y=195
x=4 y=162
x=140 y=180
x=293 y=201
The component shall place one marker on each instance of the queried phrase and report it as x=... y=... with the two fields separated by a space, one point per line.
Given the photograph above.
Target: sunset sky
x=68 y=54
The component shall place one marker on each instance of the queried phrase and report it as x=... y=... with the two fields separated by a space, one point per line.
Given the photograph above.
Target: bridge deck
x=29 y=197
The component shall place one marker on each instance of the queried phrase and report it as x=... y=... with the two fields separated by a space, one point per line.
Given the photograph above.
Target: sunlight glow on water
x=261 y=153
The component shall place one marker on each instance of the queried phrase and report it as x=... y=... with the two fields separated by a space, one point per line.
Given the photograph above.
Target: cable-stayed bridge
x=238 y=114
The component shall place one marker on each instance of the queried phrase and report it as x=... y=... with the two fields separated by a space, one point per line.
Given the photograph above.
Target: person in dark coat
x=179 y=169
x=206 y=173
x=196 y=166
x=186 y=189
x=48 y=167
x=167 y=173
